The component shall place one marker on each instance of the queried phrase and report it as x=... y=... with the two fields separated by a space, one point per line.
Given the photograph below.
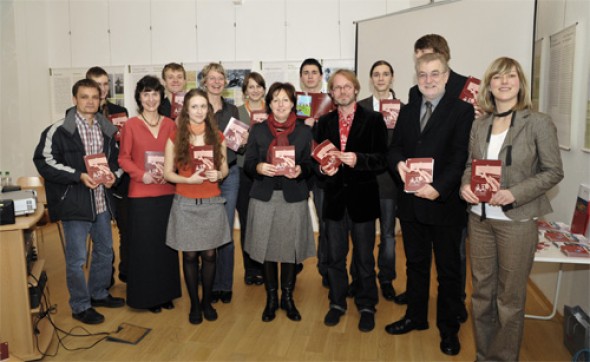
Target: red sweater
x=136 y=139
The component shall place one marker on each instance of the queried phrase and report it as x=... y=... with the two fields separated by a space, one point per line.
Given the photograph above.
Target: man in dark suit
x=434 y=43
x=436 y=125
x=351 y=192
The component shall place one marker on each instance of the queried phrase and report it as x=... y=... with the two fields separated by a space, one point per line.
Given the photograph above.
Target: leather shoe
x=249 y=279
x=401 y=299
x=215 y=295
x=209 y=313
x=333 y=317
x=449 y=344
x=108 y=302
x=299 y=268
x=387 y=291
x=258 y=280
x=168 y=305
x=89 y=316
x=367 y=322
x=404 y=326
x=155 y=309
x=195 y=317
x=225 y=296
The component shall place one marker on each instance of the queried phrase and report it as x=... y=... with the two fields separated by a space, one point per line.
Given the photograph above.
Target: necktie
x=426 y=116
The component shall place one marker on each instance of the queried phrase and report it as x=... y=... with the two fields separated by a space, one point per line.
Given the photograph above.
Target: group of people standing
x=179 y=209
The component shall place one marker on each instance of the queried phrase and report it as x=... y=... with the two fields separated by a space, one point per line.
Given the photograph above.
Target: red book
x=547 y=225
x=98 y=168
x=176 y=104
x=483 y=172
x=470 y=90
x=283 y=158
x=389 y=108
x=235 y=133
x=154 y=164
x=118 y=120
x=416 y=179
x=581 y=216
x=313 y=105
x=321 y=154
x=258 y=116
x=203 y=159
x=559 y=236
x=574 y=250
x=4 y=351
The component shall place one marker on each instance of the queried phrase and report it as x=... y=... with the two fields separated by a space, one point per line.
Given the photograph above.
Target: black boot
x=288 y=273
x=269 y=272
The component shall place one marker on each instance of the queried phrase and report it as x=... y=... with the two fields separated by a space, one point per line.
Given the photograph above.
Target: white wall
x=37 y=35
x=553 y=16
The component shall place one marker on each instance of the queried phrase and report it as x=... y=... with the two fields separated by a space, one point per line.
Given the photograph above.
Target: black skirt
x=153 y=276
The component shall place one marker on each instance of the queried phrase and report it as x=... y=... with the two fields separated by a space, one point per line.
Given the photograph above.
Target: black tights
x=190 y=266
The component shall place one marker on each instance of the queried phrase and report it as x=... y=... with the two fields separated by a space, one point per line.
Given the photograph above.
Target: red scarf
x=280 y=131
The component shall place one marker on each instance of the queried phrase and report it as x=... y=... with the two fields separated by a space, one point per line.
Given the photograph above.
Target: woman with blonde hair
x=213 y=82
x=503 y=232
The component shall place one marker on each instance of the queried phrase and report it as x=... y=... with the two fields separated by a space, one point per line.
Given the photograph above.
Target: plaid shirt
x=93 y=142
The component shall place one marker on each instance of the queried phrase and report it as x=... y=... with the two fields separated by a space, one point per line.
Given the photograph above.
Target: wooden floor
x=240 y=335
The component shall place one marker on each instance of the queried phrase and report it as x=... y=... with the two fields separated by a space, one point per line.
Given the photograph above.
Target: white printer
x=25 y=201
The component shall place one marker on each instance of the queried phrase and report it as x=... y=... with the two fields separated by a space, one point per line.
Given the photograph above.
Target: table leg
x=555 y=298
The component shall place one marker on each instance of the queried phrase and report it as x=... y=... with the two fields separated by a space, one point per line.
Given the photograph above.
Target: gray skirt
x=279 y=231
x=197 y=224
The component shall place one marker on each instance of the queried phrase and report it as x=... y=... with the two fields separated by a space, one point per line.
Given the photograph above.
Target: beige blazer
x=536 y=161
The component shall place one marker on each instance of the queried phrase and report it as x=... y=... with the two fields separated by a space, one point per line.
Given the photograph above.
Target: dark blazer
x=387 y=187
x=354 y=190
x=294 y=190
x=453 y=88
x=445 y=138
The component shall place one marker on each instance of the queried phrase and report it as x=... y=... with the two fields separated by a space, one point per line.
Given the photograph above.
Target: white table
x=553 y=255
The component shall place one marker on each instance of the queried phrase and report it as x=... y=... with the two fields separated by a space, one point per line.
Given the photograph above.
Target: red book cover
x=258 y=116
x=283 y=158
x=559 y=236
x=235 y=133
x=416 y=179
x=154 y=164
x=574 y=250
x=321 y=154
x=118 y=120
x=98 y=168
x=4 y=351
x=581 y=216
x=470 y=90
x=483 y=172
x=313 y=105
x=203 y=159
x=547 y=225
x=176 y=104
x=389 y=108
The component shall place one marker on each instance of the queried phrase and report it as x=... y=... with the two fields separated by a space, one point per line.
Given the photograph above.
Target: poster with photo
x=281 y=71
x=235 y=72
x=62 y=80
x=193 y=74
x=331 y=65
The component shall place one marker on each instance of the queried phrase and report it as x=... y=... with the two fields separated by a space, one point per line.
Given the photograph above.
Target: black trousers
x=363 y=243
x=419 y=242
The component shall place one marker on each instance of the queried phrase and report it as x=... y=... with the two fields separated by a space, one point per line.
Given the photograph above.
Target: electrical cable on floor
x=46 y=310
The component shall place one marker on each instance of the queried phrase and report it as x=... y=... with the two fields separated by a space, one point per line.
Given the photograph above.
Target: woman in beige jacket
x=503 y=231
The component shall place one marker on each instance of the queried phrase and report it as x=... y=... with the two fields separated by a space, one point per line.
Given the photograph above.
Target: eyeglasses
x=433 y=75
x=346 y=88
x=216 y=79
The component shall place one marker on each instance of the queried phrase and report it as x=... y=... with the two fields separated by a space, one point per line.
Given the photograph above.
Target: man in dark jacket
x=351 y=202
x=82 y=205
x=435 y=125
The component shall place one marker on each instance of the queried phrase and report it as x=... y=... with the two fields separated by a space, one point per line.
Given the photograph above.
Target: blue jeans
x=386 y=258
x=99 y=276
x=224 y=274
